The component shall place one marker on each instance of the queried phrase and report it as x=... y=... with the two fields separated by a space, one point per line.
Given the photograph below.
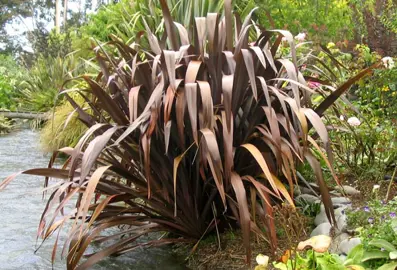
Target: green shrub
x=63 y=129
x=10 y=76
x=322 y=20
x=369 y=148
x=377 y=220
x=40 y=87
x=125 y=20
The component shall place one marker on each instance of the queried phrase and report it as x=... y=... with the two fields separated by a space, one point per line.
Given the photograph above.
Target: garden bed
x=230 y=253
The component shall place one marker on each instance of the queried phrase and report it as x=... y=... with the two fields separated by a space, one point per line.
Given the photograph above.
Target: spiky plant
x=189 y=136
x=5 y=125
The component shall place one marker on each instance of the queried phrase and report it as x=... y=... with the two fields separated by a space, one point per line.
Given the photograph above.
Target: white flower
x=341 y=117
x=284 y=39
x=375 y=187
x=388 y=62
x=353 y=121
x=262 y=260
x=300 y=37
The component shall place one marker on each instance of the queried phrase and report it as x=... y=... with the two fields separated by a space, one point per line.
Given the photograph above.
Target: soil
x=366 y=189
x=229 y=253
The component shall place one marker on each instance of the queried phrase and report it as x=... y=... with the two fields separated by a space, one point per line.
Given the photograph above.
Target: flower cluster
x=385 y=88
x=300 y=37
x=313 y=85
x=353 y=121
x=377 y=220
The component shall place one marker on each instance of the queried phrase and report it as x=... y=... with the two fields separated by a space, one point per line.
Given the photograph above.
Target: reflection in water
x=21 y=206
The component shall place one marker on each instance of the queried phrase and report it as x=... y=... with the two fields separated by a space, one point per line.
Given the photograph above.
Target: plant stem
x=390 y=184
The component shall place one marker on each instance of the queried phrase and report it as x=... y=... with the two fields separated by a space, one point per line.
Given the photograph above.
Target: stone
x=341 y=222
x=348 y=244
x=335 y=245
x=335 y=193
x=298 y=190
x=348 y=190
x=322 y=229
x=340 y=200
x=345 y=206
x=343 y=257
x=307 y=198
x=322 y=216
x=314 y=186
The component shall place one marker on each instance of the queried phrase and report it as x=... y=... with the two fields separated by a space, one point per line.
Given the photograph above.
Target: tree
x=380 y=21
x=65 y=12
x=57 y=16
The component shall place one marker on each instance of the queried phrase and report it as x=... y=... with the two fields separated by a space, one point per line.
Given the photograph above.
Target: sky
x=20 y=25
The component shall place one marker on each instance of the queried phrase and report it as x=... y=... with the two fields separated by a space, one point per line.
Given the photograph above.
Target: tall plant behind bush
x=365 y=146
x=10 y=76
x=39 y=89
x=63 y=127
x=321 y=20
x=203 y=130
x=125 y=20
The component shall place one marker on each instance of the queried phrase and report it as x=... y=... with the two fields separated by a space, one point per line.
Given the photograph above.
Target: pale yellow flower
x=319 y=243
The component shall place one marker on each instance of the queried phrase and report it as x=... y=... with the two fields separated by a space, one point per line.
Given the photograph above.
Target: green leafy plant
x=322 y=20
x=200 y=132
x=378 y=254
x=63 y=128
x=366 y=146
x=379 y=249
x=312 y=260
x=310 y=209
x=10 y=76
x=125 y=19
x=377 y=220
x=39 y=89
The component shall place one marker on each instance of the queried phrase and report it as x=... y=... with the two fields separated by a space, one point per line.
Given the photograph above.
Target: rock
x=337 y=202
x=335 y=245
x=307 y=198
x=343 y=257
x=322 y=216
x=348 y=244
x=314 y=186
x=335 y=193
x=341 y=211
x=345 y=206
x=340 y=200
x=298 y=190
x=341 y=222
x=348 y=190
x=322 y=229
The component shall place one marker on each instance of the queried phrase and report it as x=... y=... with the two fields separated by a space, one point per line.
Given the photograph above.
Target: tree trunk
x=65 y=13
x=57 y=16
x=379 y=38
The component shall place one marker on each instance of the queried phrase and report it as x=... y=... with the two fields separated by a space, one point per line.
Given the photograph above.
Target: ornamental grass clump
x=200 y=131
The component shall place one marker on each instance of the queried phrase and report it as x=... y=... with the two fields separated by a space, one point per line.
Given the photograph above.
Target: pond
x=21 y=205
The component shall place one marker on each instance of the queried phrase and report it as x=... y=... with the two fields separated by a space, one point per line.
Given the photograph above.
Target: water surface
x=21 y=206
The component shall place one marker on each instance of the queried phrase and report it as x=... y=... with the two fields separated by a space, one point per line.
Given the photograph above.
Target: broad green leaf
x=374 y=254
x=380 y=243
x=355 y=255
x=389 y=266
